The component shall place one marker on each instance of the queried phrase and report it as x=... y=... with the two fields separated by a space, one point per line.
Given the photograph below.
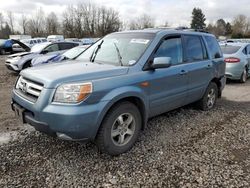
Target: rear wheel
x=209 y=99
x=244 y=75
x=120 y=129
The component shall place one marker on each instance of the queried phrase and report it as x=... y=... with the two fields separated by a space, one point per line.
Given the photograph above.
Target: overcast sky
x=175 y=12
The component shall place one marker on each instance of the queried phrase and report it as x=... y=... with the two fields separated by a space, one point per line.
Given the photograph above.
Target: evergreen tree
x=228 y=29
x=198 y=19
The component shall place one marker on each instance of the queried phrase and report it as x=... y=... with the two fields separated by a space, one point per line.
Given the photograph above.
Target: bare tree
x=52 y=24
x=1 y=20
x=240 y=24
x=24 y=23
x=10 y=17
x=36 y=23
x=144 y=21
x=68 y=23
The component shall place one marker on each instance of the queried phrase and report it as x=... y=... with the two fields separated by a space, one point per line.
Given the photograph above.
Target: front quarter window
x=118 y=49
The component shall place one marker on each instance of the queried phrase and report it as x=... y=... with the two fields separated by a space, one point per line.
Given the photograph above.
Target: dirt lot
x=183 y=148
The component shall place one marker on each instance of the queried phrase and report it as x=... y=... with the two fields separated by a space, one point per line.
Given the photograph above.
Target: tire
x=2 y=52
x=26 y=65
x=244 y=76
x=210 y=97
x=120 y=129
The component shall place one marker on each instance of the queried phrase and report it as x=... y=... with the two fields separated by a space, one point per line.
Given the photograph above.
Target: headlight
x=72 y=93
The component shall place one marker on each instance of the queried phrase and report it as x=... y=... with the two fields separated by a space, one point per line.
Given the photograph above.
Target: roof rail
x=182 y=28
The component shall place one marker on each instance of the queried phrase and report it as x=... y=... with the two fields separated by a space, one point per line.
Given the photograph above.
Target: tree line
x=92 y=20
x=239 y=27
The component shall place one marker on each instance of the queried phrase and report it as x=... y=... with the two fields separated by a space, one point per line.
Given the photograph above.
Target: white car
x=55 y=38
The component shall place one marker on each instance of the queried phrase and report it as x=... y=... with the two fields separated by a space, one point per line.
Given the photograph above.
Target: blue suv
x=108 y=93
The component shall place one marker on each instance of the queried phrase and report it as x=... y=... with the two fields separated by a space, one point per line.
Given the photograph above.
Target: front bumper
x=72 y=122
x=12 y=67
x=234 y=71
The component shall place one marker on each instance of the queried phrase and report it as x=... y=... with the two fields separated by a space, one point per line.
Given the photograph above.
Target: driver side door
x=168 y=85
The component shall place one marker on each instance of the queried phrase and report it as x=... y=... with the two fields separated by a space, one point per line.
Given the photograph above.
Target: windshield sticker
x=139 y=41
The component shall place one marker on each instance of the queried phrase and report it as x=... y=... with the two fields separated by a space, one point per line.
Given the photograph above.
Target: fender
x=119 y=94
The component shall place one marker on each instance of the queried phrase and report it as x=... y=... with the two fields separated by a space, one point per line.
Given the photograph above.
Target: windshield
x=118 y=49
x=230 y=49
x=38 y=47
x=74 y=52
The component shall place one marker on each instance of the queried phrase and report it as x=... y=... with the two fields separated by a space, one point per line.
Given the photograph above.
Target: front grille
x=28 y=89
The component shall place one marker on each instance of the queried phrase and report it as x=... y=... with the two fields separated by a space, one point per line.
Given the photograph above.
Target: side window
x=52 y=48
x=248 y=50
x=66 y=46
x=193 y=48
x=39 y=41
x=31 y=42
x=171 y=47
x=245 y=51
x=213 y=47
x=34 y=41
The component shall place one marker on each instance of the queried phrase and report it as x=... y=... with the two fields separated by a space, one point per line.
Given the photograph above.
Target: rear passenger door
x=168 y=86
x=199 y=66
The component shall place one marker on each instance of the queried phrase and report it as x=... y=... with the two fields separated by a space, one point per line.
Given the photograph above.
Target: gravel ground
x=182 y=148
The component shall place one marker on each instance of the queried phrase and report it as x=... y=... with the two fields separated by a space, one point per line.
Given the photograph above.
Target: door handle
x=183 y=72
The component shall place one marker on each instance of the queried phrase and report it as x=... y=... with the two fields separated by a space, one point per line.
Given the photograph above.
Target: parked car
x=5 y=46
x=237 y=58
x=28 y=42
x=110 y=91
x=74 y=40
x=19 y=61
x=59 y=57
x=55 y=38
x=88 y=41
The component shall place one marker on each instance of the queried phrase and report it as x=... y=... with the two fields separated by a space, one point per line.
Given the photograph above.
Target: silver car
x=237 y=58
x=19 y=61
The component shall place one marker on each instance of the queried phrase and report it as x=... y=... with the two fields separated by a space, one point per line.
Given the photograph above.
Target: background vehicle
x=5 y=46
x=19 y=37
x=59 y=57
x=88 y=41
x=108 y=93
x=55 y=38
x=74 y=40
x=19 y=61
x=237 y=58
x=28 y=42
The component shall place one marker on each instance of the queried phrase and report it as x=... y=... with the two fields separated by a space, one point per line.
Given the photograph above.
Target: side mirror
x=161 y=62
x=44 y=52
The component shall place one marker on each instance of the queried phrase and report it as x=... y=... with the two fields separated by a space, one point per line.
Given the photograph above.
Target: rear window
x=213 y=47
x=230 y=49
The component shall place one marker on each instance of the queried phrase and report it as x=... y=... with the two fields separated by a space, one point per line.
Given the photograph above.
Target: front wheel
x=120 y=129
x=209 y=99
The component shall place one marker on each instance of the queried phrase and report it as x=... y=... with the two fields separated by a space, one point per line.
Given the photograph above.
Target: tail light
x=232 y=60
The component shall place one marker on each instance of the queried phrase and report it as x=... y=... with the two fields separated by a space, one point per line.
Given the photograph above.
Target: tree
x=36 y=24
x=10 y=17
x=144 y=21
x=24 y=23
x=221 y=27
x=240 y=25
x=1 y=20
x=52 y=24
x=198 y=19
x=228 y=29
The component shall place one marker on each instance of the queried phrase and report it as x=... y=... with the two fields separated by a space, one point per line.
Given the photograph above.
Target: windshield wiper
x=93 y=55
x=118 y=54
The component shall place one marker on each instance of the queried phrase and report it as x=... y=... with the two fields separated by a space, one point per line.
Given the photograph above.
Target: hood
x=24 y=46
x=21 y=54
x=71 y=71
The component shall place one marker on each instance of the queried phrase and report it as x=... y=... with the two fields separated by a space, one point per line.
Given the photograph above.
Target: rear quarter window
x=227 y=49
x=213 y=47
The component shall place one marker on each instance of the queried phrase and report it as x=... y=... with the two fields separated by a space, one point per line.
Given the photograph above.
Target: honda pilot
x=108 y=93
